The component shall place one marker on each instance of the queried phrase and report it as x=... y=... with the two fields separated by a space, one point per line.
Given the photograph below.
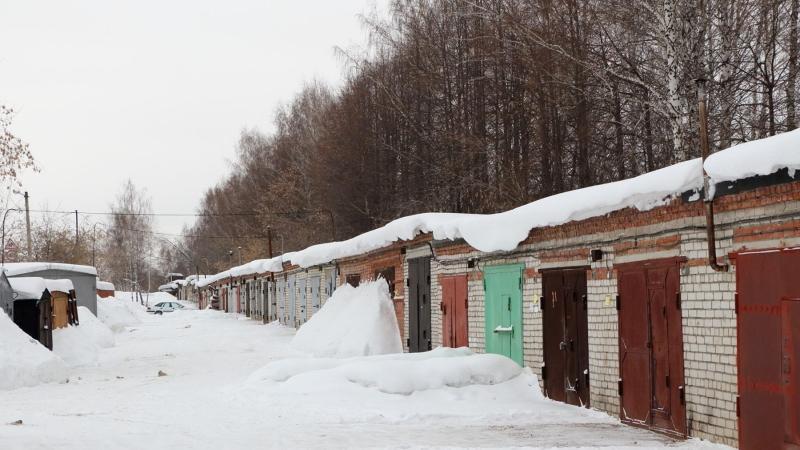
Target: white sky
x=157 y=91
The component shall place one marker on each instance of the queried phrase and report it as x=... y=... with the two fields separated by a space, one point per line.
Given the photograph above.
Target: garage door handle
x=508 y=329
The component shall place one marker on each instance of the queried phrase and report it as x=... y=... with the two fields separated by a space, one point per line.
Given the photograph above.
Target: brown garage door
x=768 y=334
x=566 y=348
x=454 y=311
x=651 y=345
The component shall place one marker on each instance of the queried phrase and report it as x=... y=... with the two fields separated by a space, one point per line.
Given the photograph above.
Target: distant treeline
x=484 y=105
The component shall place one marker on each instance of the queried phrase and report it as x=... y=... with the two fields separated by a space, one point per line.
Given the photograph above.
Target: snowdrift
x=118 y=314
x=24 y=361
x=402 y=373
x=356 y=321
x=80 y=345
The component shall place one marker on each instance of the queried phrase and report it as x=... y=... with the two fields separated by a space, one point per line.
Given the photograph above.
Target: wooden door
x=503 y=320
x=419 y=304
x=565 y=332
x=651 y=383
x=455 y=332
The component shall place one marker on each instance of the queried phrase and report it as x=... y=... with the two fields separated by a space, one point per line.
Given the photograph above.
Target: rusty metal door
x=768 y=334
x=454 y=311
x=419 y=304
x=566 y=336
x=651 y=345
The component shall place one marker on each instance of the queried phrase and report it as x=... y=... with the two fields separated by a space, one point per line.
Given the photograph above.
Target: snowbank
x=402 y=373
x=24 y=361
x=353 y=322
x=80 y=345
x=117 y=314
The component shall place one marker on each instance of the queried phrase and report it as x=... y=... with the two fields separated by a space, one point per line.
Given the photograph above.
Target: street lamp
x=230 y=258
x=240 y=255
x=94 y=242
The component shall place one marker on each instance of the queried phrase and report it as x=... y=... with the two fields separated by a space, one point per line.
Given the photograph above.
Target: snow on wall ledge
x=762 y=157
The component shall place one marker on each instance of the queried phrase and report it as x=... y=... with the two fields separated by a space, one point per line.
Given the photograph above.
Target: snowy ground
x=214 y=396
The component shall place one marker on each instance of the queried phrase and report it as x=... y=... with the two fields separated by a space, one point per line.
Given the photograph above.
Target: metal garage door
x=651 y=383
x=419 y=304
x=768 y=330
x=566 y=337
x=503 y=287
x=454 y=311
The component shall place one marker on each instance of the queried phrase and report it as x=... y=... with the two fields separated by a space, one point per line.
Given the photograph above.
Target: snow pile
x=252 y=268
x=24 y=361
x=80 y=345
x=118 y=314
x=355 y=321
x=402 y=373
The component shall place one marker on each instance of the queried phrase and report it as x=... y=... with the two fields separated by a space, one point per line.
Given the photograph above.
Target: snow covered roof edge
x=14 y=269
x=504 y=231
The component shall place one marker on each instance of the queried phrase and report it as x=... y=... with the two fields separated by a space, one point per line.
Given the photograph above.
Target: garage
x=454 y=311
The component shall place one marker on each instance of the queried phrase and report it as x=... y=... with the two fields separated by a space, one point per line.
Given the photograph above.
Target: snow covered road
x=208 y=399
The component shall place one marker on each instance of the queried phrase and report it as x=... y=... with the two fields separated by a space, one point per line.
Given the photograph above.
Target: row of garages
x=620 y=312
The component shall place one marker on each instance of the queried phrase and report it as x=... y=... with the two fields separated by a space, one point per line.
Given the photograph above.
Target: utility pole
x=75 y=252
x=268 y=300
x=28 y=224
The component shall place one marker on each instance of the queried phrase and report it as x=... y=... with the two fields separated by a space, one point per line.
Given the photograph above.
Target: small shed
x=105 y=289
x=31 y=308
x=84 y=278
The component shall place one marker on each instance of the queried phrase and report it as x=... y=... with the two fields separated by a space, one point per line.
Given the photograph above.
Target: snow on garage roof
x=104 y=286
x=28 y=288
x=504 y=231
x=253 y=267
x=14 y=269
x=59 y=285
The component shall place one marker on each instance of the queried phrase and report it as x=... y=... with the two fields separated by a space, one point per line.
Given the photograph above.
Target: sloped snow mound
x=118 y=314
x=24 y=361
x=404 y=373
x=80 y=345
x=355 y=321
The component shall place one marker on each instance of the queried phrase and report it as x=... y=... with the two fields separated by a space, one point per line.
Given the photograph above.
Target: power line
x=232 y=214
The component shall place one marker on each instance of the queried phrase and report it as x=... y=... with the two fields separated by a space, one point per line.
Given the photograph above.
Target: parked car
x=162 y=307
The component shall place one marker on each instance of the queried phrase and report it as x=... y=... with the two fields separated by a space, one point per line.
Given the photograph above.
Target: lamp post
x=94 y=242
x=3 y=244
x=240 y=255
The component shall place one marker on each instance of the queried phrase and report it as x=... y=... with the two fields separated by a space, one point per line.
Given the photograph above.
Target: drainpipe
x=708 y=199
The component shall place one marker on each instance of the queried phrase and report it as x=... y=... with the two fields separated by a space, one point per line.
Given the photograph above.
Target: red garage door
x=768 y=334
x=651 y=346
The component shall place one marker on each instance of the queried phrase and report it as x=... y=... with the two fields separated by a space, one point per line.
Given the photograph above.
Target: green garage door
x=503 y=286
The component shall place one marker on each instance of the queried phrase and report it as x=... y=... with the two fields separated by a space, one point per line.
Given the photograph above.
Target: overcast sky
x=157 y=91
